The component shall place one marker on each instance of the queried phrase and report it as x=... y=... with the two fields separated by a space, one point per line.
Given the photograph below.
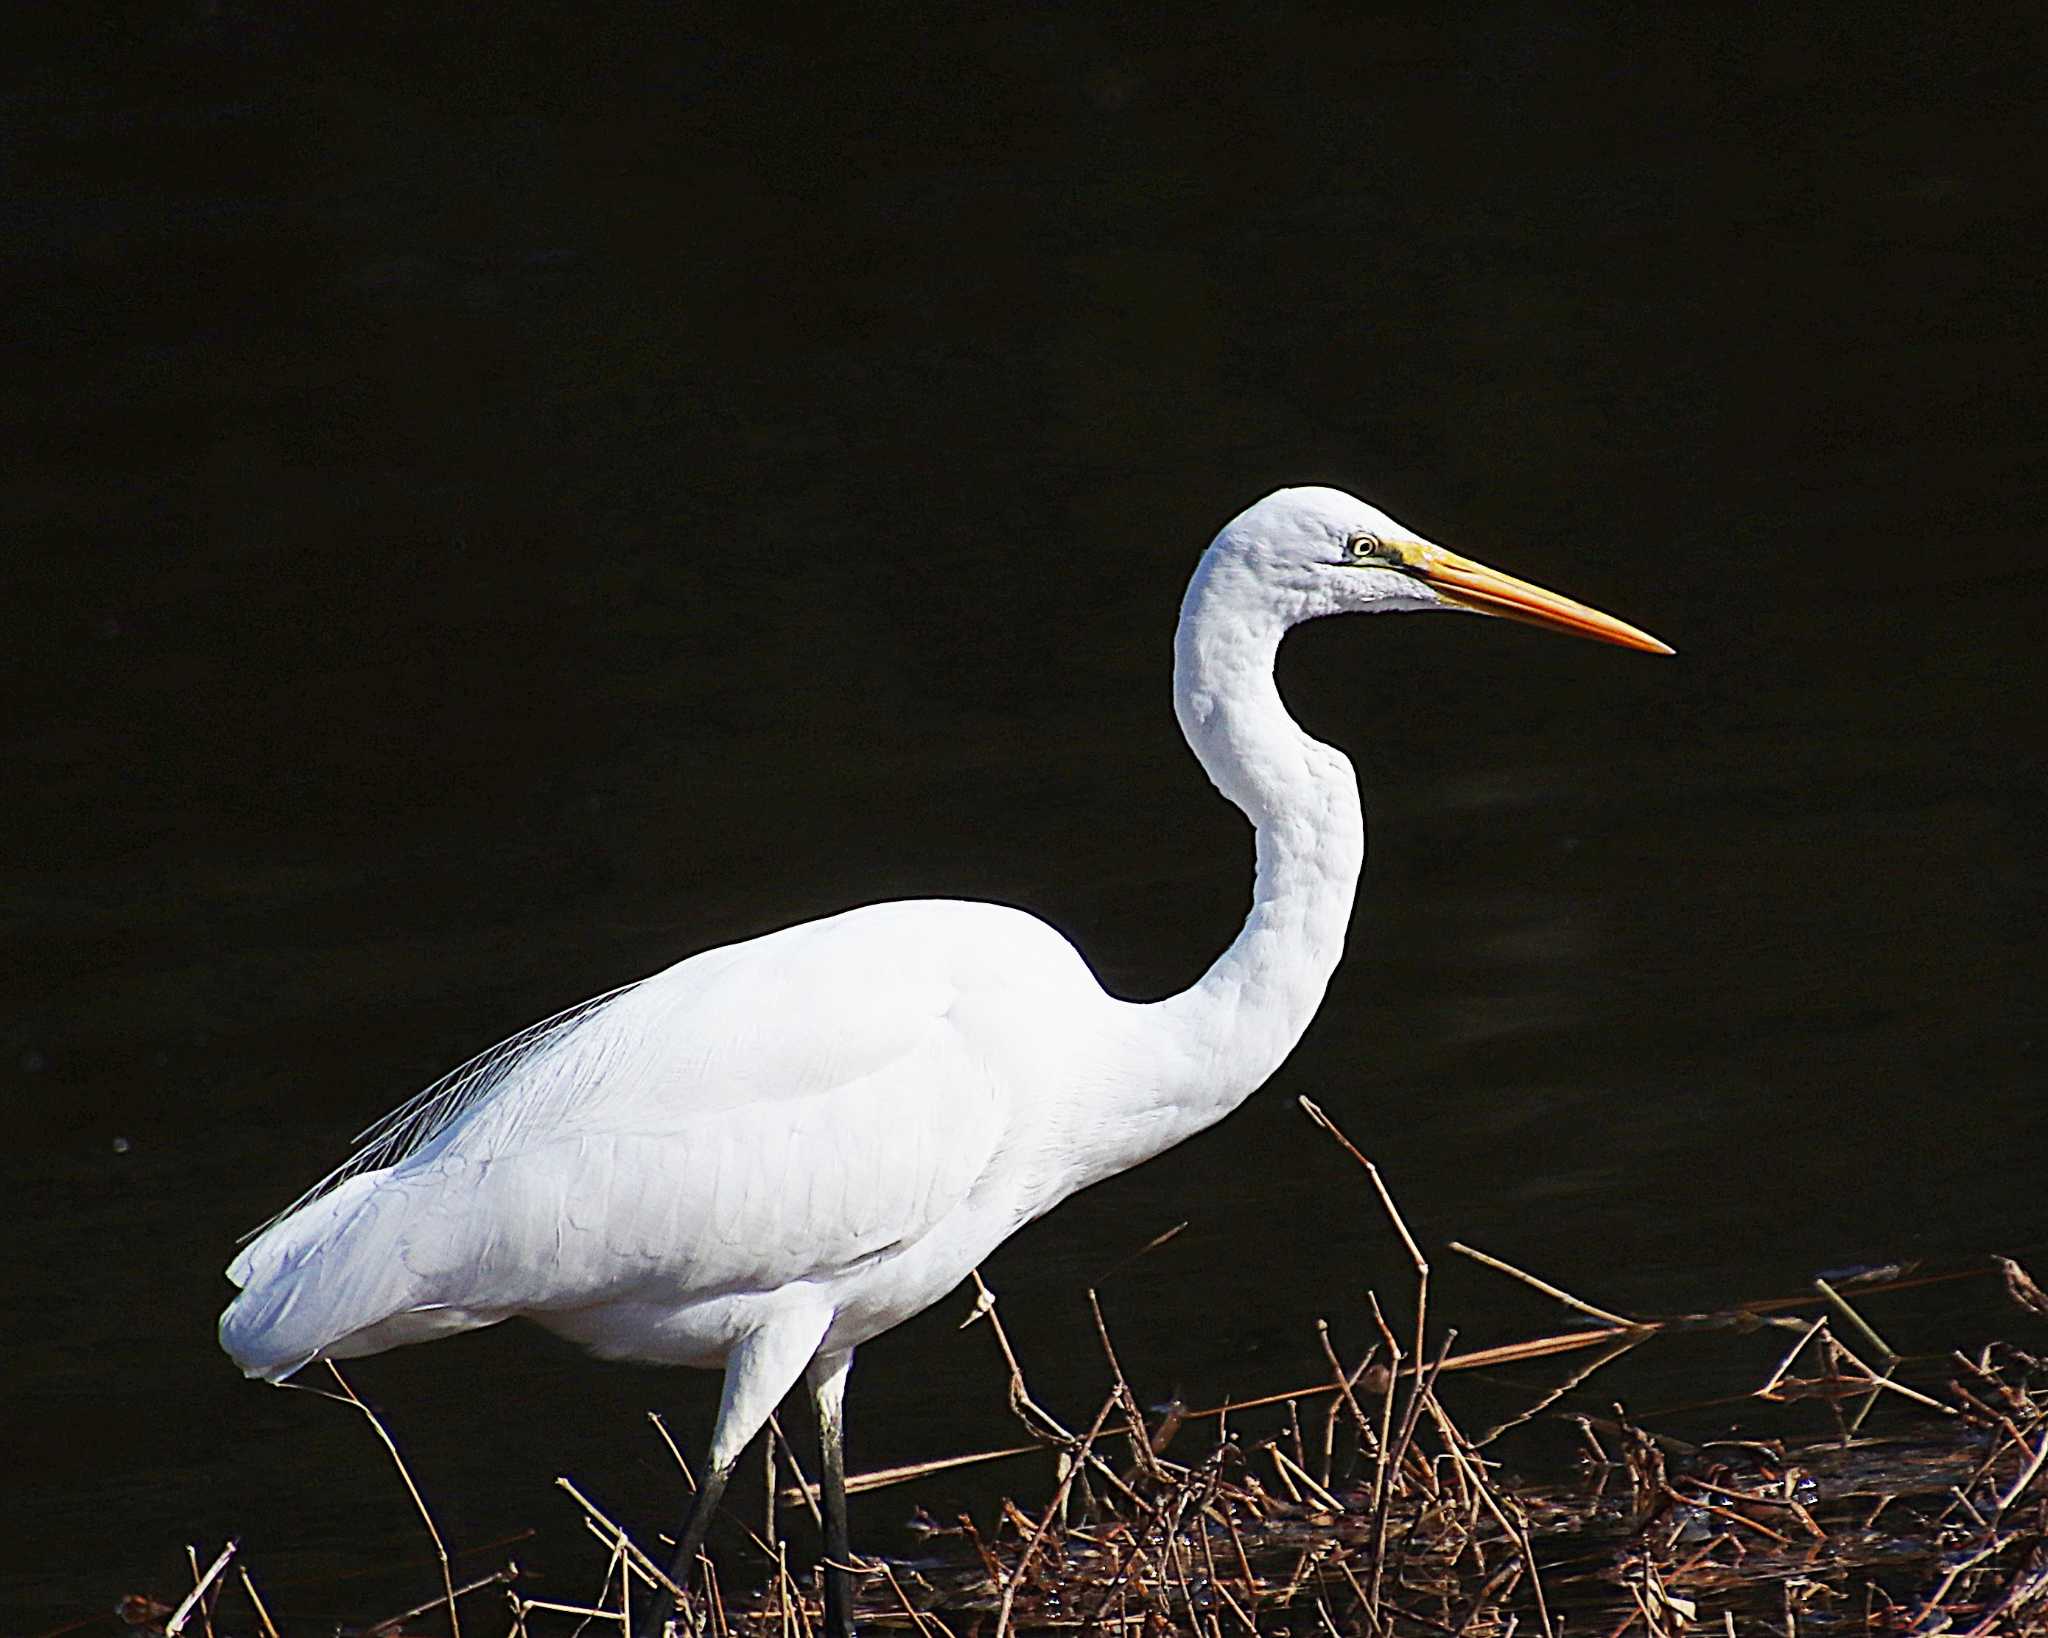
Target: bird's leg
x=680 y=1567
x=761 y=1368
x=828 y=1392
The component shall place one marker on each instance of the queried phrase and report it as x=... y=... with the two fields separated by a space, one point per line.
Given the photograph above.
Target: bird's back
x=796 y=1108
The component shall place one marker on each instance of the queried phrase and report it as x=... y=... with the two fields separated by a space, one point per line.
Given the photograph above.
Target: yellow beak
x=1487 y=591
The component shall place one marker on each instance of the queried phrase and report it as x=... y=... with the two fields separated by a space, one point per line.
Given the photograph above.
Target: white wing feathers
x=764 y=1113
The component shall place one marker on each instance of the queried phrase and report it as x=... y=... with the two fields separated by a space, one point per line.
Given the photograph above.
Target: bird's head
x=1322 y=551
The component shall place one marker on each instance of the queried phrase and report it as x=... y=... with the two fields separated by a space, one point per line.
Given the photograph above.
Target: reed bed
x=1909 y=1497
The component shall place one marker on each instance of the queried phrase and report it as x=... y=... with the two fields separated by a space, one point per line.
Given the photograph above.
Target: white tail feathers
x=314 y=1286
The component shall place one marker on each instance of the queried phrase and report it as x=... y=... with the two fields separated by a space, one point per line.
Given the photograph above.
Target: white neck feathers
x=1197 y=1055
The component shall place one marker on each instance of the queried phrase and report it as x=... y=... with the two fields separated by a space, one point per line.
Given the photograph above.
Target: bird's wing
x=773 y=1111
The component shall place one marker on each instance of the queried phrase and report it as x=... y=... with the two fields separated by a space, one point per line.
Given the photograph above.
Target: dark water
x=499 y=505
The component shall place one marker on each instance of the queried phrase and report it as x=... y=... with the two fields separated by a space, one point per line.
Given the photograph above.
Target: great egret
x=774 y=1151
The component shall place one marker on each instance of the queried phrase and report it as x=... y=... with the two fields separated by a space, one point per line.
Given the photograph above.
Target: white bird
x=772 y=1152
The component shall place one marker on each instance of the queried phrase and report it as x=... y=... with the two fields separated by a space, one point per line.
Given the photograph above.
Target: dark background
x=502 y=500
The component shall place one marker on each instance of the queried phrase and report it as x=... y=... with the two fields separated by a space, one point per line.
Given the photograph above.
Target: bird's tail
x=328 y=1282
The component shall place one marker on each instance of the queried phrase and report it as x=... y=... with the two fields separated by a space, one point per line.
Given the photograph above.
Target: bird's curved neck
x=1223 y=1037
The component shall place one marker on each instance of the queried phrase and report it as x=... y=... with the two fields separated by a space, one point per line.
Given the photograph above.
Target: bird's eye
x=1363 y=548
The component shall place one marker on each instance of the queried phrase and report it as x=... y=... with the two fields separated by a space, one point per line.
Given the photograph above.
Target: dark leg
x=659 y=1602
x=828 y=1391
x=761 y=1368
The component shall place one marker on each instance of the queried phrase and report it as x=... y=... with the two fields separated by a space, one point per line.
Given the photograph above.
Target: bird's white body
x=772 y=1152
x=822 y=1129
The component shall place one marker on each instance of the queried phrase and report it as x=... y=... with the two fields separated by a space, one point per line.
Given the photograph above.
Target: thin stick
x=921 y=1620
x=1340 y=1380
x=391 y=1623
x=1384 y=1475
x=803 y=1490
x=522 y=1605
x=1202 y=1535
x=1841 y=1305
x=205 y=1609
x=1046 y=1426
x=418 y=1501
x=1424 y=1386
x=183 y=1613
x=1141 y=1442
x=1280 y=1466
x=1888 y=1384
x=1727 y=1513
x=1022 y=1405
x=1791 y=1354
x=256 y=1598
x=2026 y=1478
x=1553 y=1292
x=1300 y=1475
x=1479 y=1359
x=718 y=1620
x=1387 y=1200
x=1144 y=1250
x=1576 y=1379
x=1016 y=1575
x=647 y=1567
x=674 y=1449
x=882 y=1477
x=1991 y=1546
x=628 y=1566
x=617 y=1565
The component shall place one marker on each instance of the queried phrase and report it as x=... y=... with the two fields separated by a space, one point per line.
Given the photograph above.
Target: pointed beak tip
x=1487 y=591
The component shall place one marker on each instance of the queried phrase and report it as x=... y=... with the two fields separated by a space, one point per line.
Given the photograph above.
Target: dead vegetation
x=1899 y=1497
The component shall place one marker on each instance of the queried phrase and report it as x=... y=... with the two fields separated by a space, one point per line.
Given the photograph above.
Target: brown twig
x=348 y=1396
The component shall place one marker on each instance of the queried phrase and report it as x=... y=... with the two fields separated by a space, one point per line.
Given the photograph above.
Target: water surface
x=503 y=505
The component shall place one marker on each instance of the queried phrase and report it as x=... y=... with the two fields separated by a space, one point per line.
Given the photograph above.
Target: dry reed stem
x=586 y=1611
x=1144 y=1250
x=1141 y=1442
x=1728 y=1513
x=1342 y=1382
x=1382 y=1471
x=198 y=1592
x=2026 y=1477
x=1421 y=1390
x=920 y=1621
x=1045 y=1524
x=1300 y=1475
x=348 y=1396
x=1841 y=1305
x=1394 y=1216
x=393 y=1623
x=674 y=1449
x=803 y=1490
x=195 y=1599
x=1555 y=1293
x=716 y=1598
x=1570 y=1384
x=1512 y=1353
x=616 y=1565
x=1036 y=1418
x=256 y=1600
x=882 y=1478
x=1885 y=1383
x=652 y=1571
x=1785 y=1364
